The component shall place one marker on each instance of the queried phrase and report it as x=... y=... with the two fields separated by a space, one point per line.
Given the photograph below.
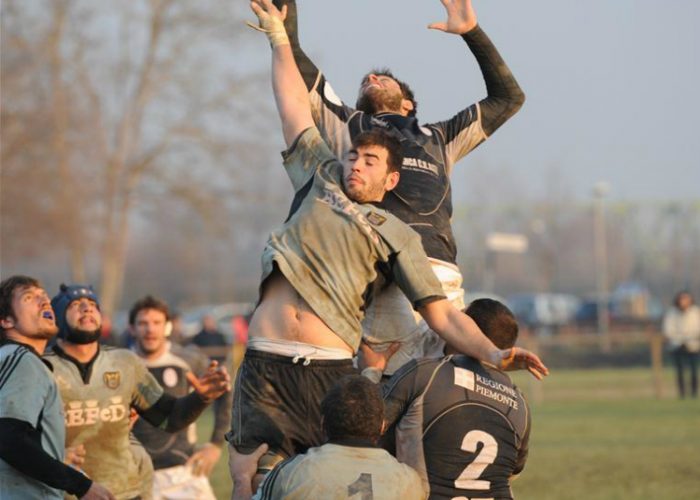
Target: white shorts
x=178 y=483
x=391 y=318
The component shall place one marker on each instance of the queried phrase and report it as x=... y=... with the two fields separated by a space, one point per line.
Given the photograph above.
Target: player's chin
x=355 y=194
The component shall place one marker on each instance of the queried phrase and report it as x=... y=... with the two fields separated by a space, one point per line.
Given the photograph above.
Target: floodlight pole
x=600 y=190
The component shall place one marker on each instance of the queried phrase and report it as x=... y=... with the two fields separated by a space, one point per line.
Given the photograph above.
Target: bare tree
x=108 y=107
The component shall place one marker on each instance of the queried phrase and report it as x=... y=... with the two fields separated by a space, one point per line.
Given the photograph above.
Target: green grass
x=597 y=434
x=600 y=434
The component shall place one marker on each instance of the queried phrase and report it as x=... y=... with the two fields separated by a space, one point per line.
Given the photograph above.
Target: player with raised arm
x=99 y=384
x=423 y=196
x=320 y=269
x=181 y=468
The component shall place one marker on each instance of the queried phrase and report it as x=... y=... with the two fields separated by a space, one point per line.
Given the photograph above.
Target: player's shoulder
x=392 y=229
x=412 y=369
x=276 y=478
x=21 y=363
x=125 y=357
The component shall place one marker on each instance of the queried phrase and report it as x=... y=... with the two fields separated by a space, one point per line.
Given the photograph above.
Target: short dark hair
x=406 y=91
x=148 y=302
x=677 y=298
x=7 y=289
x=379 y=137
x=495 y=320
x=353 y=408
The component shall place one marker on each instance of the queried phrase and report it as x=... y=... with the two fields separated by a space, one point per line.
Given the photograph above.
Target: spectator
x=210 y=337
x=681 y=327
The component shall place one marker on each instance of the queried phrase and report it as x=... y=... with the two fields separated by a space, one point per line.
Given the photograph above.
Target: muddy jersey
x=28 y=393
x=423 y=197
x=335 y=471
x=333 y=250
x=96 y=408
x=464 y=427
x=168 y=449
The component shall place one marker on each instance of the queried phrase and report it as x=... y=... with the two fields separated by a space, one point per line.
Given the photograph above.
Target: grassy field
x=597 y=434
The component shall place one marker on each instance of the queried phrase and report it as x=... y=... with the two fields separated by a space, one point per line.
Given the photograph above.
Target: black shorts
x=278 y=401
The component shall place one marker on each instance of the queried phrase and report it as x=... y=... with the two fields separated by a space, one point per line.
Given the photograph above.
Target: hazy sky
x=612 y=85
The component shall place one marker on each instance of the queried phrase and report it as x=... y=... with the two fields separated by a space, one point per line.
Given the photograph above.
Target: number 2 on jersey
x=469 y=478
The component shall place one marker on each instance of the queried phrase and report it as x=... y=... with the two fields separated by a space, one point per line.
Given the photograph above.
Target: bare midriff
x=284 y=315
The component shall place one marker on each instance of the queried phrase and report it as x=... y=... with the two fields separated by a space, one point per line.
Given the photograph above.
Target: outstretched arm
x=309 y=72
x=505 y=97
x=463 y=334
x=291 y=95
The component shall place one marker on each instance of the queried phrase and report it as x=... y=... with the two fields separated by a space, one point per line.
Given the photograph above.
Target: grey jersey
x=28 y=393
x=334 y=471
x=97 y=412
x=333 y=250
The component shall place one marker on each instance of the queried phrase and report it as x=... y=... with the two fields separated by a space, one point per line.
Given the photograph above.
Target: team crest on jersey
x=112 y=379
x=376 y=219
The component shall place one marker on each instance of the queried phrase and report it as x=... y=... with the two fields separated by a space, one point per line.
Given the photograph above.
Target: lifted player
x=462 y=424
x=99 y=384
x=423 y=196
x=318 y=272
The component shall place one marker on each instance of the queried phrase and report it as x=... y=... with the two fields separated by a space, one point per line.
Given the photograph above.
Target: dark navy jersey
x=463 y=426
x=423 y=197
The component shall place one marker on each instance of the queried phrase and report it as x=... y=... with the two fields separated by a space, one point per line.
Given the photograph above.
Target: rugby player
x=461 y=423
x=423 y=196
x=350 y=463
x=319 y=269
x=181 y=469
x=99 y=385
x=32 y=432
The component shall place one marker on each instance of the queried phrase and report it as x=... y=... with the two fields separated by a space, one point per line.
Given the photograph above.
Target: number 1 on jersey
x=363 y=486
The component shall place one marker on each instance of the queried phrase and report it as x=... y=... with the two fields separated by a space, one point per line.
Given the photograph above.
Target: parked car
x=544 y=311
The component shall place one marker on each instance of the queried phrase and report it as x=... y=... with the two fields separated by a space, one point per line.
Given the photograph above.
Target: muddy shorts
x=277 y=400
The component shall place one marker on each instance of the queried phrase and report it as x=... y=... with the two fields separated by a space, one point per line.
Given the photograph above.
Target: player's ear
x=7 y=323
x=392 y=179
x=406 y=107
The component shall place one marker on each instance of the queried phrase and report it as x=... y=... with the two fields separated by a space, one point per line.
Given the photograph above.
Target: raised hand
x=517 y=358
x=460 y=17
x=212 y=384
x=271 y=21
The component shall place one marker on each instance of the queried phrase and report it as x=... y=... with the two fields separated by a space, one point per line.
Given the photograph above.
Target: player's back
x=473 y=424
x=334 y=471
